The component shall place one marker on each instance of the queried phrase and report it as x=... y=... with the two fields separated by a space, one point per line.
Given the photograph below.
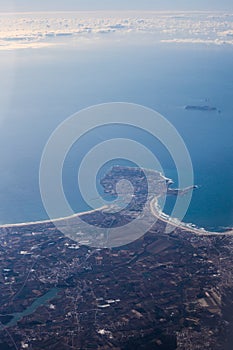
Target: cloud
x=197 y=41
x=48 y=29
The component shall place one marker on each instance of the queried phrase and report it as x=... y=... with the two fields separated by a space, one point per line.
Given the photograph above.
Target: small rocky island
x=205 y=108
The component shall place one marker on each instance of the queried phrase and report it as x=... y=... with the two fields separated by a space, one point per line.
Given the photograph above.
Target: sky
x=72 y=5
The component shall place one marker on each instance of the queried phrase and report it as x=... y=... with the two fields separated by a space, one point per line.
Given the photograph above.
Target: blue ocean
x=40 y=88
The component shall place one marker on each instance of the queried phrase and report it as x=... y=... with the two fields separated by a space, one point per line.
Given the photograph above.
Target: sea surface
x=40 y=88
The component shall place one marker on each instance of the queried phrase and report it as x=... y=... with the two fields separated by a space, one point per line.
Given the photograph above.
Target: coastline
x=187 y=227
x=153 y=207
x=159 y=214
x=47 y=221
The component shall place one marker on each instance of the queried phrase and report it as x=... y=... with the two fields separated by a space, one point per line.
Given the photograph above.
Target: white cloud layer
x=48 y=29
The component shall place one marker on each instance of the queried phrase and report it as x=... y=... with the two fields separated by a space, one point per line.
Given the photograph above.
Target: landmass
x=163 y=291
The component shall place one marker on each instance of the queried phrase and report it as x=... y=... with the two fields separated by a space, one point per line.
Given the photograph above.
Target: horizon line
x=3 y=12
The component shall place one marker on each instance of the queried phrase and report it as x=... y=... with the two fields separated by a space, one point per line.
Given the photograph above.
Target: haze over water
x=42 y=87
